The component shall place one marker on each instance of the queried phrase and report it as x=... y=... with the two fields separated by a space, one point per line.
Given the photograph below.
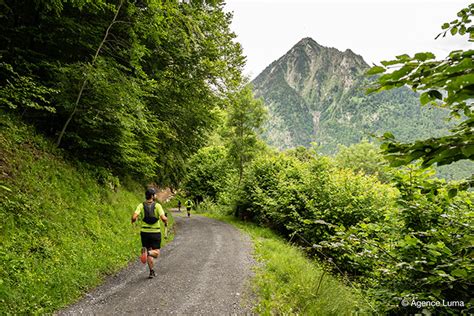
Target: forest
x=137 y=92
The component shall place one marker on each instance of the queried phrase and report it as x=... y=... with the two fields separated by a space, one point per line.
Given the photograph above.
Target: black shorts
x=188 y=208
x=151 y=240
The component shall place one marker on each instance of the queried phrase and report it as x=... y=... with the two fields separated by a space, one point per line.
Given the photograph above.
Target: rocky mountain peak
x=317 y=93
x=307 y=42
x=314 y=71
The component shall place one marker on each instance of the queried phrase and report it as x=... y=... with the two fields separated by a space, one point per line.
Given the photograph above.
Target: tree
x=363 y=157
x=84 y=82
x=207 y=174
x=132 y=86
x=245 y=118
x=447 y=83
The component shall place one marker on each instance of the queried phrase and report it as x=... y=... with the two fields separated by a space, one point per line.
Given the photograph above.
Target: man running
x=150 y=232
x=189 y=205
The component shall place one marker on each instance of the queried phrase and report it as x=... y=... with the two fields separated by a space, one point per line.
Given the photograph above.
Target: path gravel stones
x=205 y=270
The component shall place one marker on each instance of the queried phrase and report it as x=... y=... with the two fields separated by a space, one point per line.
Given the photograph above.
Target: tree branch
x=84 y=82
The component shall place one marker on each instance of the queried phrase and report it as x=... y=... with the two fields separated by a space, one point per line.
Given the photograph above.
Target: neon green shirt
x=150 y=228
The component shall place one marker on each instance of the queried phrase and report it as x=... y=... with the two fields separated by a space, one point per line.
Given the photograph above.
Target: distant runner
x=189 y=205
x=179 y=205
x=150 y=230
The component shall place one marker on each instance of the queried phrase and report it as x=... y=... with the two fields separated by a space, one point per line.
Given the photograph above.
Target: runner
x=150 y=230
x=179 y=205
x=189 y=205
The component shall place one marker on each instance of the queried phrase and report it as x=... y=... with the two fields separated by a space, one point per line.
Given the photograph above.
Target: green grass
x=61 y=232
x=287 y=282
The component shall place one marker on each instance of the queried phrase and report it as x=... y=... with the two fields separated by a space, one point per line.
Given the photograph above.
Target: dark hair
x=149 y=193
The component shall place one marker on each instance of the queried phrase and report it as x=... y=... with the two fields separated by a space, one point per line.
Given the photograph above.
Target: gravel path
x=204 y=271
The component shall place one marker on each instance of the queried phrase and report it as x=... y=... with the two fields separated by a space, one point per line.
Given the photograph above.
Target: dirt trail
x=205 y=270
x=164 y=195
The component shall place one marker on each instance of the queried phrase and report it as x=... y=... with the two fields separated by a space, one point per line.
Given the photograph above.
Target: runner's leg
x=153 y=251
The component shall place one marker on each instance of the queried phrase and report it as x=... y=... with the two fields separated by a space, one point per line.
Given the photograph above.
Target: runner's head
x=150 y=193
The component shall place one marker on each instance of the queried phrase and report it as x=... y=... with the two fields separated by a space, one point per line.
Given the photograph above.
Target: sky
x=375 y=29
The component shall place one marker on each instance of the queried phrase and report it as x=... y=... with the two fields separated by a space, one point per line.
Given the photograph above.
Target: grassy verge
x=287 y=282
x=61 y=232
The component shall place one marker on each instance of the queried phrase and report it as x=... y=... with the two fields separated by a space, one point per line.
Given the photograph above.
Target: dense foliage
x=363 y=157
x=447 y=83
x=244 y=120
x=207 y=173
x=419 y=251
x=128 y=86
x=408 y=237
x=61 y=231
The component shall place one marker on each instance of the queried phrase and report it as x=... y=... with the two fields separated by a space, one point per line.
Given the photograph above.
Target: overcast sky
x=376 y=29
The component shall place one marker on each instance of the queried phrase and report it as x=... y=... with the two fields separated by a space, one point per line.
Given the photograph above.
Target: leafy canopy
x=153 y=74
x=446 y=83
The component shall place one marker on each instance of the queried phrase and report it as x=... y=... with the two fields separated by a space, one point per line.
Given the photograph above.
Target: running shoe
x=144 y=255
x=152 y=274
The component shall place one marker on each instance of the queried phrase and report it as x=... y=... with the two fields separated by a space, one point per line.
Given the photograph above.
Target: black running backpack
x=149 y=211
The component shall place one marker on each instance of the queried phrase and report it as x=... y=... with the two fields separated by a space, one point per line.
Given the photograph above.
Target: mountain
x=317 y=94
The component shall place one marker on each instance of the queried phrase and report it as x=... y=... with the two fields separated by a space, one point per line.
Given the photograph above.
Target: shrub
x=311 y=198
x=207 y=173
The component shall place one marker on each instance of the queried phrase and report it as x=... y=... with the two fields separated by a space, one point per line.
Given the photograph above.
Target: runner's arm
x=164 y=219
x=136 y=213
x=162 y=214
x=134 y=217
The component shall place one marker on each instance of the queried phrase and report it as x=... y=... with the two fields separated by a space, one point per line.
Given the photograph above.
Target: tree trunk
x=78 y=99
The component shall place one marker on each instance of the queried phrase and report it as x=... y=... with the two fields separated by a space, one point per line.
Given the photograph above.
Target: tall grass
x=287 y=282
x=61 y=231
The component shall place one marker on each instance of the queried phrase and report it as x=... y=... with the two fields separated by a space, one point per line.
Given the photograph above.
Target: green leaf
x=454 y=30
x=425 y=98
x=403 y=57
x=459 y=273
x=468 y=151
x=424 y=56
x=452 y=193
x=434 y=252
x=375 y=70
x=445 y=26
x=389 y=62
x=5 y=188
x=402 y=72
x=435 y=94
x=411 y=241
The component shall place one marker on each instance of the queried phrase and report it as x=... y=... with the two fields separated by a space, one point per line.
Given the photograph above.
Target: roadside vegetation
x=64 y=225
x=288 y=282
x=97 y=100
x=378 y=217
x=407 y=238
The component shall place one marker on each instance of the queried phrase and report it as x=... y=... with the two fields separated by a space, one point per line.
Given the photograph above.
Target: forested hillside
x=129 y=86
x=98 y=99
x=62 y=225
